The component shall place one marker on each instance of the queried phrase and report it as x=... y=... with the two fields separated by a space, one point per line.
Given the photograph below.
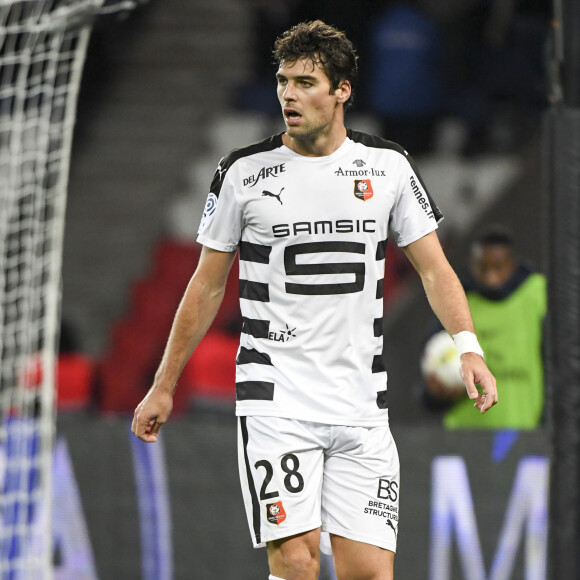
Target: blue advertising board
x=474 y=505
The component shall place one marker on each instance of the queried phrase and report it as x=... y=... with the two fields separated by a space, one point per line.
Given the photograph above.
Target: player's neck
x=321 y=145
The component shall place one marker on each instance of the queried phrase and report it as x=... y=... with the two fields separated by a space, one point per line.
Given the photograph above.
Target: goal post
x=43 y=45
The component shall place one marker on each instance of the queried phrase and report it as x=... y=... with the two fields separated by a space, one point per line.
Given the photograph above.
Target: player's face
x=492 y=265
x=309 y=106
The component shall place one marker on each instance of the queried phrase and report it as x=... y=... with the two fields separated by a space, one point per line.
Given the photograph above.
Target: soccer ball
x=440 y=357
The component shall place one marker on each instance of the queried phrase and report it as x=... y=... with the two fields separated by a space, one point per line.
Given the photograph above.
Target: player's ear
x=343 y=91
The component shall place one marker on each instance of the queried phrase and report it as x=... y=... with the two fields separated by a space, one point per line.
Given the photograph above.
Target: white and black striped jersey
x=311 y=234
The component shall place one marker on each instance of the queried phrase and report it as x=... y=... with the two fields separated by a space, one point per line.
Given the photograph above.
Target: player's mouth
x=291 y=116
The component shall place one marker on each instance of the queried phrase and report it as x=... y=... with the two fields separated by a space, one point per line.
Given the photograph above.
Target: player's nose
x=289 y=93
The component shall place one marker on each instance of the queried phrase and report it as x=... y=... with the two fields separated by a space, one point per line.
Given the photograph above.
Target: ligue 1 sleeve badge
x=363 y=189
x=275 y=512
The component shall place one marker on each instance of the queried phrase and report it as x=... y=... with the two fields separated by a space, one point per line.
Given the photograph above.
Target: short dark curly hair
x=495 y=234
x=324 y=45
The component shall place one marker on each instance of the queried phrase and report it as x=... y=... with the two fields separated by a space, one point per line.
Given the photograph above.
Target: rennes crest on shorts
x=363 y=189
x=275 y=512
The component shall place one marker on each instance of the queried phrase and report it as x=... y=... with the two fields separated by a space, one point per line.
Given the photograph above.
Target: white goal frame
x=43 y=45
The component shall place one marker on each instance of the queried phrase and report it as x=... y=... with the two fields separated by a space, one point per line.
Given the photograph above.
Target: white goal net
x=42 y=50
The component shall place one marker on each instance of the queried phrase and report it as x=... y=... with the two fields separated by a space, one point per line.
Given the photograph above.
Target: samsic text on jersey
x=311 y=234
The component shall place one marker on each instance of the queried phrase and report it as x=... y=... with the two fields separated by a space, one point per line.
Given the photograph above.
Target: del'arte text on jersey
x=273 y=171
x=344 y=226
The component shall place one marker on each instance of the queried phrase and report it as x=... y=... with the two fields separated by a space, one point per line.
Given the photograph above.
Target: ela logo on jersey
x=282 y=335
x=363 y=189
x=275 y=513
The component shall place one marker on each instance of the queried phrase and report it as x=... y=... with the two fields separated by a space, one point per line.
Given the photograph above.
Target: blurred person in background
x=405 y=84
x=508 y=303
x=309 y=211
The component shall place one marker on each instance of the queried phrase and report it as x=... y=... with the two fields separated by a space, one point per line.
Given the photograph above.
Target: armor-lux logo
x=275 y=513
x=263 y=173
x=363 y=189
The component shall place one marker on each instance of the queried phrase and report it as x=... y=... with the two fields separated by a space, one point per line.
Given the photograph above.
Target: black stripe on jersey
x=381 y=250
x=326 y=289
x=382 y=402
x=380 y=143
x=380 y=287
x=255 y=327
x=255 y=252
x=251 y=486
x=378 y=364
x=254 y=391
x=254 y=291
x=294 y=269
x=378 y=326
x=226 y=162
x=251 y=355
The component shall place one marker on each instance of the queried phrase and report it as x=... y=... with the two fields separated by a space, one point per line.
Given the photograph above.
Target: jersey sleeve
x=414 y=213
x=221 y=224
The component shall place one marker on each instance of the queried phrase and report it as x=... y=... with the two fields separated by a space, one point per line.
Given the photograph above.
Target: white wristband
x=466 y=341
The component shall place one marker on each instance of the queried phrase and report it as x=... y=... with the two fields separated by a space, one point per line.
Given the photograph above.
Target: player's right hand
x=474 y=372
x=151 y=413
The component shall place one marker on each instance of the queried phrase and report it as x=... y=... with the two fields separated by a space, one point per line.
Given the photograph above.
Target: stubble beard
x=306 y=131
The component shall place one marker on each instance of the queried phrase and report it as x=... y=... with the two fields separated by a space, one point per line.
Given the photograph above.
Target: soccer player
x=309 y=211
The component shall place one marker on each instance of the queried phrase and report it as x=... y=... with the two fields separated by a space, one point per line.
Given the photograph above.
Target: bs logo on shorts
x=275 y=512
x=363 y=189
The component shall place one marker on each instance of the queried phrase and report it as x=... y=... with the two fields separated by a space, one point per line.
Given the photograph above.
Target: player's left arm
x=448 y=301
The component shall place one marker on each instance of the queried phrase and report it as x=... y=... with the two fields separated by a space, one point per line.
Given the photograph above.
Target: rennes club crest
x=363 y=189
x=275 y=512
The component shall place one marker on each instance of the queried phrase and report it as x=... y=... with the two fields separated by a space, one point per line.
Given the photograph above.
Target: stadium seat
x=75 y=381
x=137 y=340
x=175 y=259
x=210 y=372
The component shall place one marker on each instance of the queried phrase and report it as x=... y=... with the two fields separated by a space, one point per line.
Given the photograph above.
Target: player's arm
x=448 y=301
x=194 y=316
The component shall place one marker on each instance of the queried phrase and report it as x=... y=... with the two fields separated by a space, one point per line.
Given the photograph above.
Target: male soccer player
x=309 y=212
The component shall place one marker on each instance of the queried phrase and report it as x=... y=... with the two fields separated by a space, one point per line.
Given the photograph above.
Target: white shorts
x=298 y=475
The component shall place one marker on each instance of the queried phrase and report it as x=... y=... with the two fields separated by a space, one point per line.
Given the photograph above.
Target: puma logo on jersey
x=266 y=193
x=390 y=524
x=220 y=169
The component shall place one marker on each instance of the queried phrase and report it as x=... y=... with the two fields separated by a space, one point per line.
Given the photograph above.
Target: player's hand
x=151 y=413
x=474 y=371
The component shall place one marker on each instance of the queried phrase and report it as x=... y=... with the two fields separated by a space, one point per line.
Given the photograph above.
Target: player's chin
x=294 y=131
x=300 y=129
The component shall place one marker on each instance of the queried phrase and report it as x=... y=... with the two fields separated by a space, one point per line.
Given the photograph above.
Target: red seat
x=155 y=304
x=397 y=270
x=121 y=384
x=211 y=370
x=175 y=260
x=137 y=341
x=75 y=376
